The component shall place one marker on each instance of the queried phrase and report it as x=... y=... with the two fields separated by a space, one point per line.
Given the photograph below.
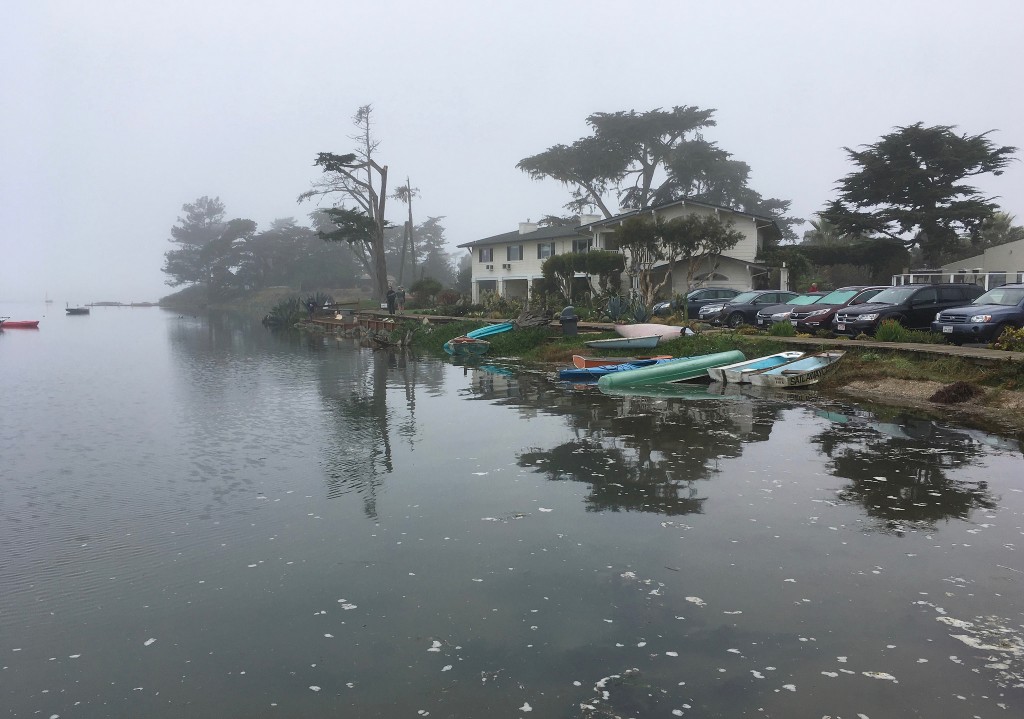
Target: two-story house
x=510 y=264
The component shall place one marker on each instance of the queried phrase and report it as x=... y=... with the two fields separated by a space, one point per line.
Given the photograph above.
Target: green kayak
x=672 y=371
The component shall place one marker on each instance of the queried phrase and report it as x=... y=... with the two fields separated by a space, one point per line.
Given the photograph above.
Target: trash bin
x=569 y=322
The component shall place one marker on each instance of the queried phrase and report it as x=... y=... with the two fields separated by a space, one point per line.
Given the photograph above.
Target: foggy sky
x=117 y=112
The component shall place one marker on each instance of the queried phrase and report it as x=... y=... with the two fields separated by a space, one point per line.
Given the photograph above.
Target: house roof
x=665 y=205
x=543 y=233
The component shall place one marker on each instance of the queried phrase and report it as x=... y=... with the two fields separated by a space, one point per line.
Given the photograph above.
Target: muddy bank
x=996 y=410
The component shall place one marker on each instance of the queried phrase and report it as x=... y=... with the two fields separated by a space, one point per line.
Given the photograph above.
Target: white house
x=510 y=264
x=997 y=266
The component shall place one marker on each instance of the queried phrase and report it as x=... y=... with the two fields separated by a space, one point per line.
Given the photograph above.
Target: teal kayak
x=490 y=330
x=672 y=371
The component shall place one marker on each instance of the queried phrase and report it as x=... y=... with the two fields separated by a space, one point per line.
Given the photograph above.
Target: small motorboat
x=799 y=373
x=740 y=372
x=77 y=310
x=19 y=324
x=581 y=362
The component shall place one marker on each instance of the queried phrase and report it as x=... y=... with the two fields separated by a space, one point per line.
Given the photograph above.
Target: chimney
x=526 y=228
x=587 y=219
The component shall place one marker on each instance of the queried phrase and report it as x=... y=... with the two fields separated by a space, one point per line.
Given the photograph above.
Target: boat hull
x=801 y=373
x=594 y=373
x=672 y=371
x=466 y=347
x=645 y=330
x=77 y=310
x=625 y=343
x=581 y=362
x=740 y=372
x=20 y=324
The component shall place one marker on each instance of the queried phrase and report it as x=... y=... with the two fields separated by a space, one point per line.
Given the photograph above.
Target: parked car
x=913 y=306
x=780 y=313
x=819 y=316
x=695 y=299
x=984 y=319
x=742 y=309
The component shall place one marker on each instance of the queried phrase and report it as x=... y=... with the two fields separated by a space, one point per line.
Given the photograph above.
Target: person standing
x=813 y=287
x=391 y=298
x=311 y=308
x=401 y=300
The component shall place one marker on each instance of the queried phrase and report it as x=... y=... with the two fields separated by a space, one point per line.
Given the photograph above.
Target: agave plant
x=616 y=308
x=638 y=310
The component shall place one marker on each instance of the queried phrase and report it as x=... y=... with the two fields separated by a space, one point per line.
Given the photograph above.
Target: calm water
x=198 y=518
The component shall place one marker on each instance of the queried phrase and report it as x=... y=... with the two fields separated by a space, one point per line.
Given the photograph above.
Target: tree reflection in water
x=642 y=453
x=900 y=469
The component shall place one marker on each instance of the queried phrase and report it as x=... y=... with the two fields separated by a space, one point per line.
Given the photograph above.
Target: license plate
x=793 y=322
x=947 y=329
x=762 y=322
x=840 y=326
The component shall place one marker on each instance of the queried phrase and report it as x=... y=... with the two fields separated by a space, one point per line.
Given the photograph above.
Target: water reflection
x=901 y=469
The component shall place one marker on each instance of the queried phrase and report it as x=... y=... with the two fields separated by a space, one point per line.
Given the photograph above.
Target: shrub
x=891 y=331
x=285 y=314
x=1011 y=340
x=782 y=329
x=956 y=392
x=825 y=334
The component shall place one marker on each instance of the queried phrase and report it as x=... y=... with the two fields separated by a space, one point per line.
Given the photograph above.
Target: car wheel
x=736 y=319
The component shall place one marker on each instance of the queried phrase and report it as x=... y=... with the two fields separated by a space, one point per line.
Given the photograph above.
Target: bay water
x=201 y=518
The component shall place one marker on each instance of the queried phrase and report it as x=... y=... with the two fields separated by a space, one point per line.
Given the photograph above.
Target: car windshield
x=894 y=295
x=744 y=298
x=837 y=297
x=1008 y=296
x=805 y=300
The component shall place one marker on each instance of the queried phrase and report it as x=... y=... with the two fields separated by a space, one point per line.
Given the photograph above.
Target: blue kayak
x=595 y=373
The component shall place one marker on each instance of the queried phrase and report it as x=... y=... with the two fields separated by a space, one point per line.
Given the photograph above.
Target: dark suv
x=695 y=299
x=913 y=306
x=742 y=309
x=984 y=319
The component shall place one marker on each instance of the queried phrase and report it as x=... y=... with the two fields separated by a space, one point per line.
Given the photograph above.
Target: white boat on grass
x=741 y=371
x=799 y=373
x=652 y=328
x=619 y=343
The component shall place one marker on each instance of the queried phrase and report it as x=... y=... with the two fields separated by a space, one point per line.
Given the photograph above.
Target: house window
x=487 y=254
x=582 y=245
x=545 y=250
x=515 y=252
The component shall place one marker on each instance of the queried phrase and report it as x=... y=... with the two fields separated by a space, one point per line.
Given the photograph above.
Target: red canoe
x=20 y=324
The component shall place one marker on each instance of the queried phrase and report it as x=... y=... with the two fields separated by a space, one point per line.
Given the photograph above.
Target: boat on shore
x=799 y=373
x=581 y=362
x=740 y=372
x=472 y=343
x=9 y=324
x=592 y=374
x=651 y=328
x=466 y=346
x=677 y=370
x=625 y=343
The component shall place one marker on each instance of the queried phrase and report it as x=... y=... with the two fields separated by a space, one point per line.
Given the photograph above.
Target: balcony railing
x=988 y=280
